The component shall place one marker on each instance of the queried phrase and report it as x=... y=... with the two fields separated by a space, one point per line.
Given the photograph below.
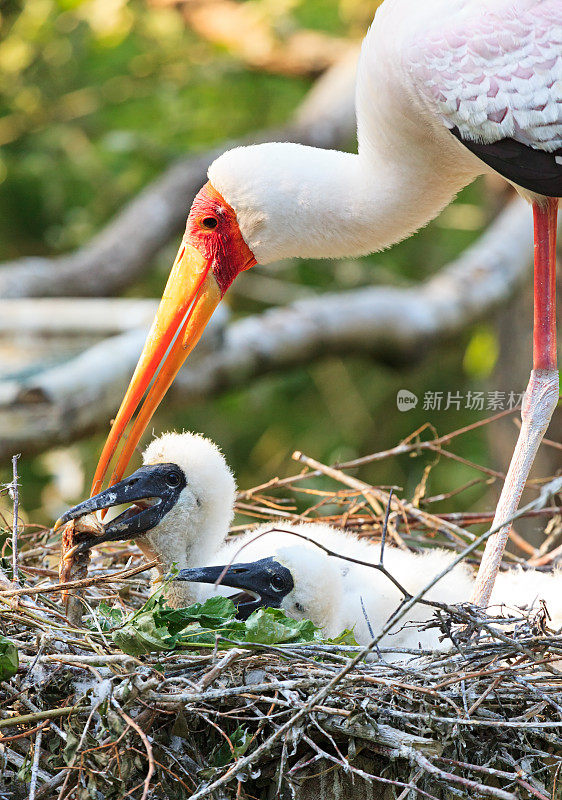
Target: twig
x=214 y=673
x=468 y=784
x=15 y=497
x=383 y=497
x=50 y=713
x=146 y=743
x=35 y=765
x=33 y=708
x=51 y=784
x=20 y=761
x=400 y=449
x=368 y=776
x=59 y=587
x=385 y=527
x=379 y=567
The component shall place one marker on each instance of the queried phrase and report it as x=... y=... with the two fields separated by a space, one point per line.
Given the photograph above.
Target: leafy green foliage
x=224 y=754
x=156 y=627
x=109 y=617
x=345 y=637
x=272 y=626
x=9 y=659
x=96 y=99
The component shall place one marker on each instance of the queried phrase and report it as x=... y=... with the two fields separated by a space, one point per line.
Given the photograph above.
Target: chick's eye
x=277 y=583
x=173 y=479
x=209 y=222
x=299 y=607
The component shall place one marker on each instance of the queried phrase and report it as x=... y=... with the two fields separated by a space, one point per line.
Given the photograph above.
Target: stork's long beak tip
x=189 y=299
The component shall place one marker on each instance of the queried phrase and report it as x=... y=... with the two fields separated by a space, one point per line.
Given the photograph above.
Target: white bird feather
x=334 y=593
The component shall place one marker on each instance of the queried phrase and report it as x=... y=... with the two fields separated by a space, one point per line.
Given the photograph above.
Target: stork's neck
x=292 y=200
x=184 y=540
x=379 y=197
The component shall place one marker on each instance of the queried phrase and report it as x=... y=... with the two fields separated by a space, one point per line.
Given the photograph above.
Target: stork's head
x=262 y=203
x=181 y=501
x=300 y=579
x=317 y=592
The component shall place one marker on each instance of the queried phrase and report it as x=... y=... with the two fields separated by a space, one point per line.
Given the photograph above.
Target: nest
x=82 y=719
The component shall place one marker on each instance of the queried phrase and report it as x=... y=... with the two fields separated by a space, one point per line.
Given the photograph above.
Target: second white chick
x=278 y=569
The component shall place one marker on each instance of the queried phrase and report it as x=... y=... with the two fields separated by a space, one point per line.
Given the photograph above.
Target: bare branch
x=62 y=316
x=15 y=495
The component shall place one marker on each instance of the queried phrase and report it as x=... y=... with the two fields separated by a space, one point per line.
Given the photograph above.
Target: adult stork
x=446 y=90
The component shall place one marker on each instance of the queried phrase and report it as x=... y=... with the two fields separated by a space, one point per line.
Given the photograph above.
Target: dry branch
x=99 y=316
x=121 y=252
x=67 y=401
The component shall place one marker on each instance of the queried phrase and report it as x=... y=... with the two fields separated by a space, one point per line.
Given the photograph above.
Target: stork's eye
x=173 y=479
x=277 y=583
x=209 y=222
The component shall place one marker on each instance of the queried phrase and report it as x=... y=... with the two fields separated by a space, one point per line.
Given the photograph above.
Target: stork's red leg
x=544 y=335
x=540 y=400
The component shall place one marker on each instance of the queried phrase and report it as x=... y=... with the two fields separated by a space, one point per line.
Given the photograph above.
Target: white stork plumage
x=446 y=90
x=307 y=583
x=182 y=505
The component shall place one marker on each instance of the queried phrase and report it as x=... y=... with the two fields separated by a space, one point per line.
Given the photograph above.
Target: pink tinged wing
x=496 y=74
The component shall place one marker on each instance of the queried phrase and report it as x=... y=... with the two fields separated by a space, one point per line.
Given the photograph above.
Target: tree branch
x=57 y=317
x=70 y=400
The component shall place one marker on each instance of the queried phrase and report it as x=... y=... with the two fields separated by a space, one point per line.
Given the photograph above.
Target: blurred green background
x=98 y=97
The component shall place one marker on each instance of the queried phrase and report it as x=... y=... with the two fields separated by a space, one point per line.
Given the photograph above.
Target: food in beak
x=147 y=493
x=73 y=563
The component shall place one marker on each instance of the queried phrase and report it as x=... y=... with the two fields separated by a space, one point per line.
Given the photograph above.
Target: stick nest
x=82 y=719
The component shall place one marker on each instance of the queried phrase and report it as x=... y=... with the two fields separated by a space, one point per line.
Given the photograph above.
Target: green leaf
x=156 y=627
x=272 y=626
x=347 y=636
x=9 y=659
x=109 y=617
x=71 y=746
x=143 y=635
x=224 y=754
x=215 y=612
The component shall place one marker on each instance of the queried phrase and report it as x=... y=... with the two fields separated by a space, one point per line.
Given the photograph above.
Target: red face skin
x=213 y=229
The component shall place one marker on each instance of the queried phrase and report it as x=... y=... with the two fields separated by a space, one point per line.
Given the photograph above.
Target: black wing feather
x=535 y=170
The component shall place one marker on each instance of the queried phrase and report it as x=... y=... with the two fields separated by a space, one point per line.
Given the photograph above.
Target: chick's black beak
x=263 y=583
x=156 y=489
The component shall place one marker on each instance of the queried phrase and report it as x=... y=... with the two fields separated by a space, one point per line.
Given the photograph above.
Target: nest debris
x=82 y=719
